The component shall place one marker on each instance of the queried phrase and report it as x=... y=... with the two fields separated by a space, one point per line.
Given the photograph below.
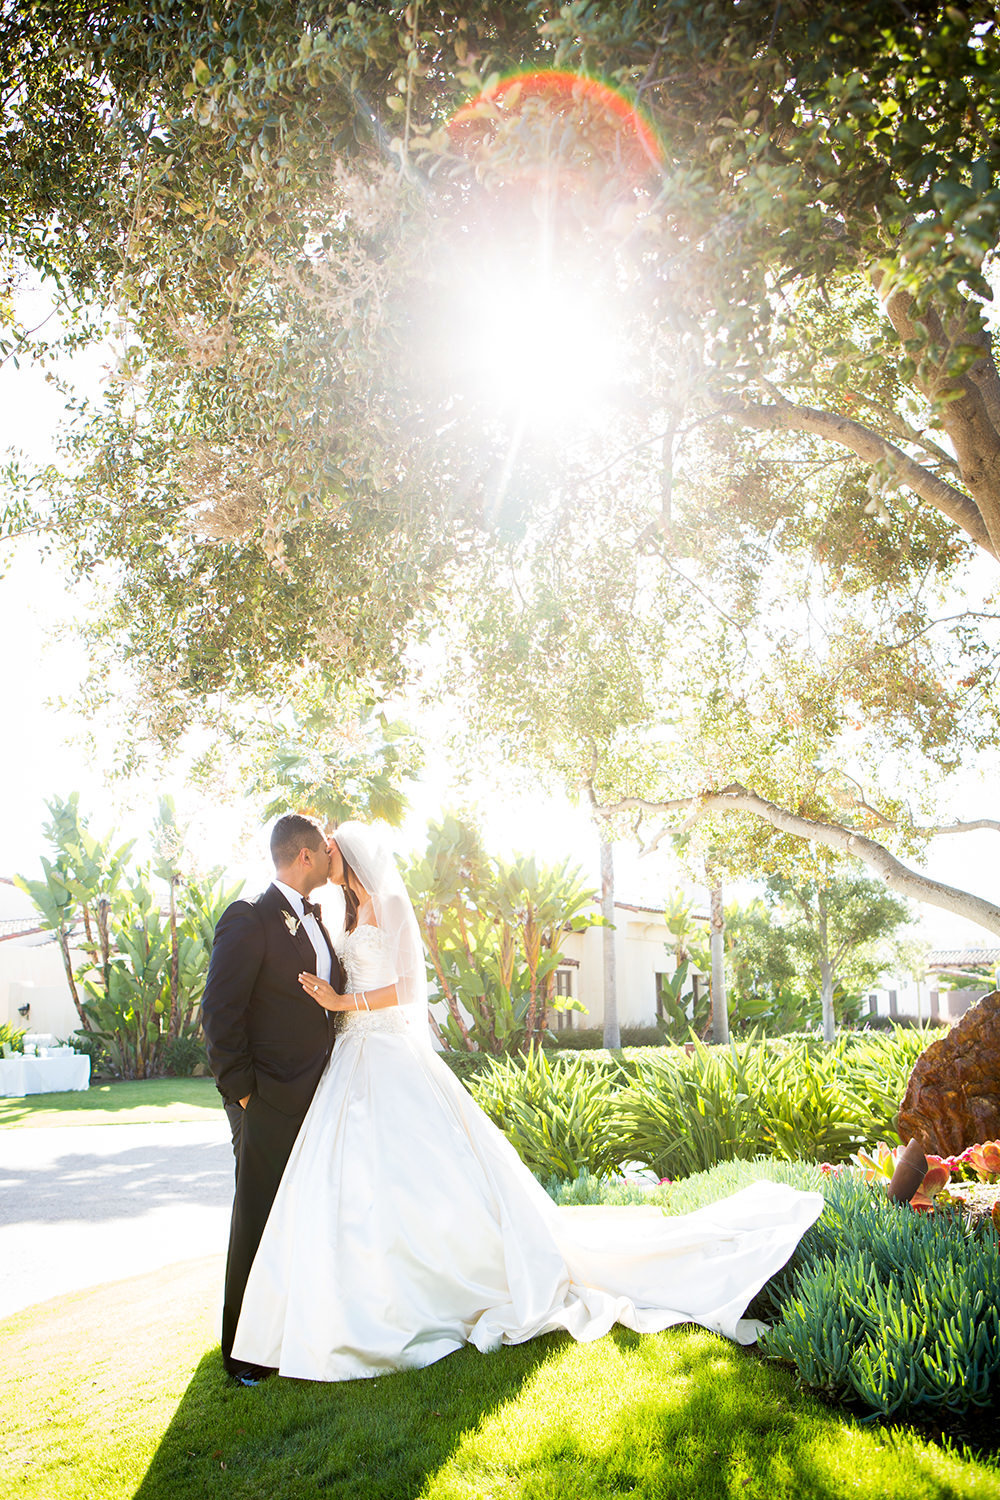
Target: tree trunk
x=720 y=1008
x=104 y=934
x=88 y=931
x=63 y=936
x=612 y=1033
x=826 y=975
x=829 y=1019
x=446 y=994
x=532 y=954
x=174 y=1025
x=436 y=1032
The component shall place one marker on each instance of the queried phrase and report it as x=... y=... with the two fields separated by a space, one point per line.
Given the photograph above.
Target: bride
x=406 y=1225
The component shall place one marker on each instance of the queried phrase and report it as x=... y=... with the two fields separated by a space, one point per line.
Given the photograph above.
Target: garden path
x=84 y=1205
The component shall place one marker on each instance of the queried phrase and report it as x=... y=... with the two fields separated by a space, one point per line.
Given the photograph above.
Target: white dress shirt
x=310 y=927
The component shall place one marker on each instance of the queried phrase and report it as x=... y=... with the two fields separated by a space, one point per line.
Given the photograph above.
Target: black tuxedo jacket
x=264 y=1034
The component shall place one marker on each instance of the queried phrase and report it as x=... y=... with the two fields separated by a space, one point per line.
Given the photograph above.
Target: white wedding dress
x=406 y=1226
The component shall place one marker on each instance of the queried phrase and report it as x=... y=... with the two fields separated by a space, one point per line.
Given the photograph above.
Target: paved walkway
x=94 y=1203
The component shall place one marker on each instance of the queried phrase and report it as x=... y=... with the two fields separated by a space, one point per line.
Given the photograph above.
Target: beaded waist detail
x=389 y=1019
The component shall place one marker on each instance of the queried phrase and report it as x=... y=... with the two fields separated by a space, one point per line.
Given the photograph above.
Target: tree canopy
x=271 y=195
x=298 y=211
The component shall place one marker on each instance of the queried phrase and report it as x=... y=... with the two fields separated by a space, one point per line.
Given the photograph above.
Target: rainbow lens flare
x=537 y=120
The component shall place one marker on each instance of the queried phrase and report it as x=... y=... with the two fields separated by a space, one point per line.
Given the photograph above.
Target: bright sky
x=39 y=756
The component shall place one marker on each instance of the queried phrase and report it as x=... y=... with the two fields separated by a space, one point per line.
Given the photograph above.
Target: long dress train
x=406 y=1226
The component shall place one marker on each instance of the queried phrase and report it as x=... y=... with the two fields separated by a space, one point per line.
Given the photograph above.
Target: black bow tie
x=312 y=909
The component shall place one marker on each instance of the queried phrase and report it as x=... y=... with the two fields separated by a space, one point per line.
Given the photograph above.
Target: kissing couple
x=381 y=1220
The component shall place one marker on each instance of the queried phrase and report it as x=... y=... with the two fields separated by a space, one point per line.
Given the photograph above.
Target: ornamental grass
x=681 y=1111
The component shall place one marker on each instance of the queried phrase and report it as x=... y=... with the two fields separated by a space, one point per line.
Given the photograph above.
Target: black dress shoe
x=249 y=1375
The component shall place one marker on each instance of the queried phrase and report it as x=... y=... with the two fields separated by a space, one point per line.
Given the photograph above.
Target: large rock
x=953 y=1096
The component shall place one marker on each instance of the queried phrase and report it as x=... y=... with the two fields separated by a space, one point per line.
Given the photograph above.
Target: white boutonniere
x=291 y=922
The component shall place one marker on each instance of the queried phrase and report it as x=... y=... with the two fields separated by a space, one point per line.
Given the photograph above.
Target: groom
x=267 y=1041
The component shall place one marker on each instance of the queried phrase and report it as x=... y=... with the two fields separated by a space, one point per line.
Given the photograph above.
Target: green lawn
x=118 y=1394
x=148 y=1102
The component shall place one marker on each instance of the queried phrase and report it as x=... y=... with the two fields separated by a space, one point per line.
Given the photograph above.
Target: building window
x=562 y=1020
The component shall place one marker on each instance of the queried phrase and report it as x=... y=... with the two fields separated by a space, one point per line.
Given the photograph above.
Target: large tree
x=298 y=456
x=806 y=251
x=561 y=648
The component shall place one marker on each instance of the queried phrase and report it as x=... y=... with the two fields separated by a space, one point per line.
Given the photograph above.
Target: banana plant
x=130 y=996
x=141 y=984
x=79 y=886
x=339 y=772
x=683 y=1012
x=675 y=1023
x=493 y=931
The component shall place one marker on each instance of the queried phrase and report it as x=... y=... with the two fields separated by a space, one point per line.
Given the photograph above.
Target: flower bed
x=976 y=1174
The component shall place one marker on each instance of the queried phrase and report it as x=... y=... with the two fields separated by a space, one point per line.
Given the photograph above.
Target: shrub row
x=680 y=1112
x=895 y=1311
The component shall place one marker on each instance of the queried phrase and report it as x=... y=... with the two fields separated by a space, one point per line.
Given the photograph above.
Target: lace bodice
x=367 y=964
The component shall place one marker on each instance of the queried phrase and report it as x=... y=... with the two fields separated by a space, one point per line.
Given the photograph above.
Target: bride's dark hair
x=375 y=877
x=351 y=899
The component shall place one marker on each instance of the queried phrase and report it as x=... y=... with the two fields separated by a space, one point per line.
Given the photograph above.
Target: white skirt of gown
x=406 y=1226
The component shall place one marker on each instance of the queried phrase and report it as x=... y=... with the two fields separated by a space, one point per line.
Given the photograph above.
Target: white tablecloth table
x=68 y=1071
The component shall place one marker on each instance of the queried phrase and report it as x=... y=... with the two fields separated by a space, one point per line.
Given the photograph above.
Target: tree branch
x=28 y=333
x=968 y=404
x=786 y=416
x=897 y=876
x=935 y=830
x=905 y=432
x=925 y=831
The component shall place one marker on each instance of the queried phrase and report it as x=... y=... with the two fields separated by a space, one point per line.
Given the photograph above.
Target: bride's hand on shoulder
x=324 y=994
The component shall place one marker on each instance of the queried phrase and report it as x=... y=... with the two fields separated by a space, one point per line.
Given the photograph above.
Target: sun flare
x=542 y=347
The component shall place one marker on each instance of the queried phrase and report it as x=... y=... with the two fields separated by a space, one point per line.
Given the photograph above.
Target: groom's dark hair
x=292 y=833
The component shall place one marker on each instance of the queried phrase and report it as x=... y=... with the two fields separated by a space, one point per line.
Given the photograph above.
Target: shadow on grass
x=686 y=1416
x=676 y=1416
x=378 y=1439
